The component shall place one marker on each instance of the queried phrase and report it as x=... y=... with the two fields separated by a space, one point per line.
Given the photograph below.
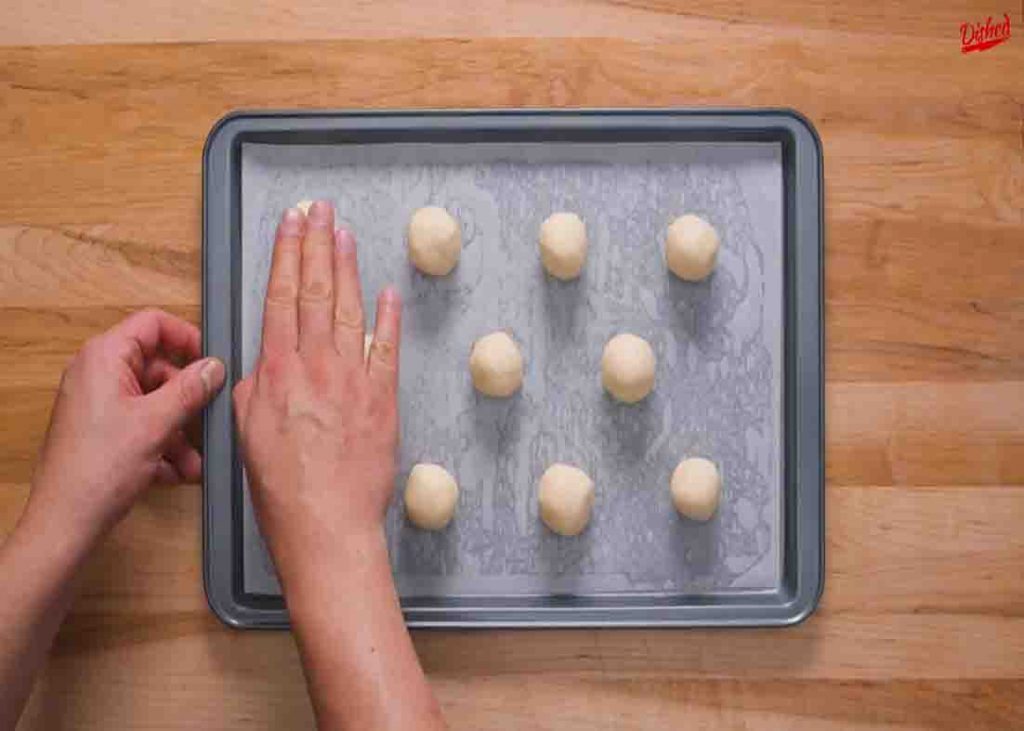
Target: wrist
x=311 y=571
x=312 y=552
x=53 y=519
x=46 y=556
x=61 y=542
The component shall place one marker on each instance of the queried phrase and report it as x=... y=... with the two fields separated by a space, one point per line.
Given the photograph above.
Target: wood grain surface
x=104 y=107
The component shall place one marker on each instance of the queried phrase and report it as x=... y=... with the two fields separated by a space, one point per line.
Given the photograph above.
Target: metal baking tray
x=739 y=355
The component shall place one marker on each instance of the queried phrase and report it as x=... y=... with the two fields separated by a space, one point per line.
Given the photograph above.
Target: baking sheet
x=718 y=343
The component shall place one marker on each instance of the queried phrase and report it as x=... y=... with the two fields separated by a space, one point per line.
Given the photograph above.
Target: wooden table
x=103 y=113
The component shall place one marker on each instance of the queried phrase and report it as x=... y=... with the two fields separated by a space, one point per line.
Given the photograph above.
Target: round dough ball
x=496 y=365
x=435 y=241
x=563 y=245
x=627 y=368
x=566 y=496
x=304 y=206
x=691 y=248
x=696 y=488
x=430 y=496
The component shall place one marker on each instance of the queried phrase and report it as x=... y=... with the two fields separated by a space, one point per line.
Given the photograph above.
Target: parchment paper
x=718 y=344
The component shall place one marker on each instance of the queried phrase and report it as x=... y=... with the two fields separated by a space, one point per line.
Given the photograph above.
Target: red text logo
x=982 y=36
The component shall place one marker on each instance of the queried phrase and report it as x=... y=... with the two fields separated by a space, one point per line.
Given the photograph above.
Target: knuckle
x=146 y=315
x=384 y=356
x=277 y=373
x=316 y=291
x=384 y=350
x=347 y=318
x=240 y=390
x=96 y=349
x=282 y=292
x=269 y=374
x=320 y=369
x=189 y=393
x=352 y=389
x=93 y=347
x=272 y=366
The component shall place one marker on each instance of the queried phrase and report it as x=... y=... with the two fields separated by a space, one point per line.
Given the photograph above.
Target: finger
x=182 y=398
x=151 y=332
x=167 y=473
x=156 y=372
x=184 y=458
x=316 y=293
x=241 y=393
x=349 y=324
x=383 y=361
x=280 y=311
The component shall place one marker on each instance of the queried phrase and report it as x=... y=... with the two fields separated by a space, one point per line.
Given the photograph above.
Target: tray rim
x=803 y=356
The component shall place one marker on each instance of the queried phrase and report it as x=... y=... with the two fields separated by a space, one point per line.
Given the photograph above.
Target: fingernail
x=344 y=240
x=320 y=213
x=291 y=222
x=212 y=375
x=390 y=296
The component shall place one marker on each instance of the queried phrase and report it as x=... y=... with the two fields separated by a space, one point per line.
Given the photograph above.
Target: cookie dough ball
x=566 y=496
x=304 y=206
x=627 y=368
x=691 y=248
x=696 y=488
x=496 y=365
x=435 y=241
x=430 y=496
x=563 y=245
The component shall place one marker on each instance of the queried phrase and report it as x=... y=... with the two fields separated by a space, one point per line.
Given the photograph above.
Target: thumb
x=185 y=394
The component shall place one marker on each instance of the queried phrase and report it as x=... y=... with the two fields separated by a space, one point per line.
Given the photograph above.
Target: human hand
x=118 y=420
x=319 y=424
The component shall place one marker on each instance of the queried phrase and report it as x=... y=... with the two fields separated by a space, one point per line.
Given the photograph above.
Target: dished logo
x=982 y=36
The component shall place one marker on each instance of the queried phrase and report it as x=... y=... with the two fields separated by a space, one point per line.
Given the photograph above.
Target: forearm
x=38 y=564
x=116 y=426
x=358 y=657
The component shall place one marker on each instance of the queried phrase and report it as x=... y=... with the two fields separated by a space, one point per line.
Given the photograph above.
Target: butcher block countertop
x=103 y=114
